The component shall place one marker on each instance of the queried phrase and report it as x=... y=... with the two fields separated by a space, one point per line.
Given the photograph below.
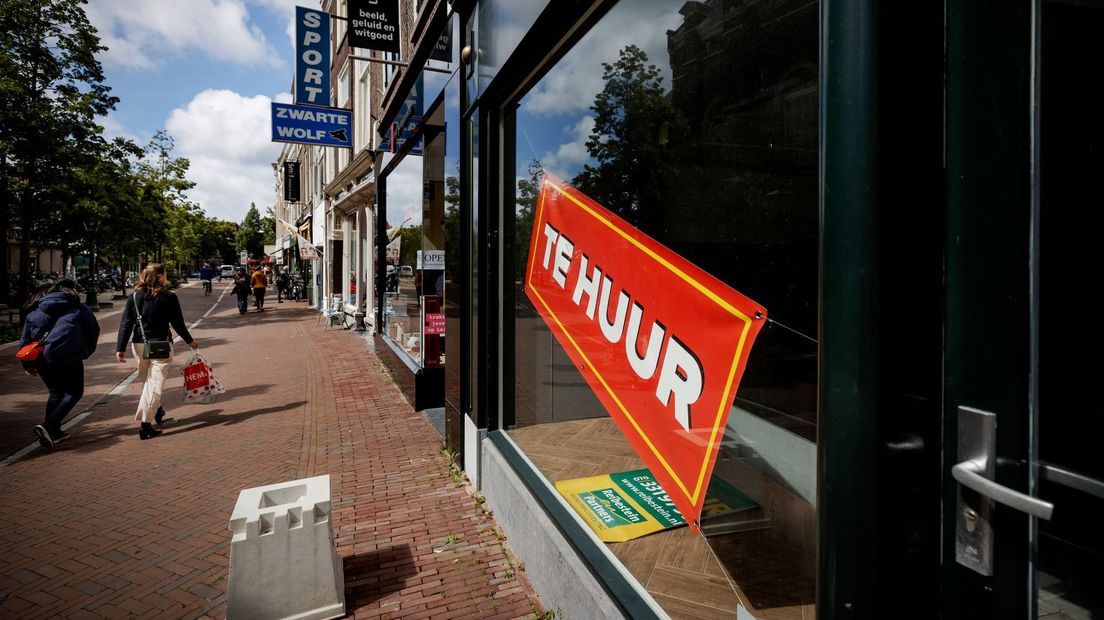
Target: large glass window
x=697 y=124
x=422 y=211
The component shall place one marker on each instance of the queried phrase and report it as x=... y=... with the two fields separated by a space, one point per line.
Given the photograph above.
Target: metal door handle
x=970 y=474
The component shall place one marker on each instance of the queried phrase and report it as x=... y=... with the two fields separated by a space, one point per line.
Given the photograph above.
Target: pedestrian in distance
x=241 y=290
x=69 y=331
x=260 y=285
x=283 y=286
x=207 y=273
x=147 y=316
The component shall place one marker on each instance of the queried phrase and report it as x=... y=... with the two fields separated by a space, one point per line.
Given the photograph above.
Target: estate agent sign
x=661 y=342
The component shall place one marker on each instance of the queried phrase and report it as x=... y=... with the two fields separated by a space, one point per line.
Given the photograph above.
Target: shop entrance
x=1025 y=491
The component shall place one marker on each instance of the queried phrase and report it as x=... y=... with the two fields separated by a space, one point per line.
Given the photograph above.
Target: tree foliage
x=634 y=126
x=527 y=192
x=250 y=235
x=52 y=88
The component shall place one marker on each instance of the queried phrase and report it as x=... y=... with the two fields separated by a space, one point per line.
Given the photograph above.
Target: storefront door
x=1023 y=494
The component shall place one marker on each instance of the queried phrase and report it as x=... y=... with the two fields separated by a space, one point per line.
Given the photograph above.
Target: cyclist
x=207 y=273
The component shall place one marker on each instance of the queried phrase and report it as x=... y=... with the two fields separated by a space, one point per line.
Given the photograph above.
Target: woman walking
x=57 y=318
x=241 y=291
x=149 y=312
x=260 y=285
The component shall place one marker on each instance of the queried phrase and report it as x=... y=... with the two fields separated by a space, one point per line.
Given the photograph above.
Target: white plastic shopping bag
x=200 y=384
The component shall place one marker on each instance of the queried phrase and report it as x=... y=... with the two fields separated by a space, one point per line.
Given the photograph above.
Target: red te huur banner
x=662 y=343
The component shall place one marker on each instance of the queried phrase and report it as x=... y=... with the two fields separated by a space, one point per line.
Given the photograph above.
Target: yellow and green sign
x=622 y=506
x=631 y=504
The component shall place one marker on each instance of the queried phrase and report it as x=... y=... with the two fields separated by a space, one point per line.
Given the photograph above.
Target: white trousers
x=152 y=375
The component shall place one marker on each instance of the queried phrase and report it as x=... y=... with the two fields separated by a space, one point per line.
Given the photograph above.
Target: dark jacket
x=241 y=287
x=157 y=314
x=70 y=328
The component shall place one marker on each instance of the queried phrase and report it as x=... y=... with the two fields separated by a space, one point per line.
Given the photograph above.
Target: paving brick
x=126 y=528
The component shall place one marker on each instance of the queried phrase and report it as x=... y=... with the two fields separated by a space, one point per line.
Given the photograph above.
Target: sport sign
x=662 y=343
x=312 y=56
x=309 y=125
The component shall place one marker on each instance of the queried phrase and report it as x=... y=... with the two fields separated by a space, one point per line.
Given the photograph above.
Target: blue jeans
x=243 y=302
x=65 y=382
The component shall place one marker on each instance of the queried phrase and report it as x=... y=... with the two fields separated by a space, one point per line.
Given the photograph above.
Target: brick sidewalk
x=109 y=526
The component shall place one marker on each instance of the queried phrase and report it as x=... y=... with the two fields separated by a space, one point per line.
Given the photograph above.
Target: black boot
x=147 y=431
x=159 y=417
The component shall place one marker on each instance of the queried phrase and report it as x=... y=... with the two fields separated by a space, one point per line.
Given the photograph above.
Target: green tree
x=167 y=225
x=268 y=224
x=411 y=243
x=52 y=88
x=527 y=192
x=224 y=237
x=631 y=141
x=451 y=223
x=250 y=235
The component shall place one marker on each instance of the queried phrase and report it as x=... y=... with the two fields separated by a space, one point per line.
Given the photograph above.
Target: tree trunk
x=25 y=240
x=5 y=228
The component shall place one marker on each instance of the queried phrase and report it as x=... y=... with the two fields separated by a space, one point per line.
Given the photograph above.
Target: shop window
x=422 y=214
x=696 y=124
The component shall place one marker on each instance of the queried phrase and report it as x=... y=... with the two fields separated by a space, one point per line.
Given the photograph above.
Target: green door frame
x=882 y=235
x=992 y=300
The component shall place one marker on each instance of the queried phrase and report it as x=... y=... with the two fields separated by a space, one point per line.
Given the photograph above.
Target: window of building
x=343 y=87
x=696 y=124
x=363 y=101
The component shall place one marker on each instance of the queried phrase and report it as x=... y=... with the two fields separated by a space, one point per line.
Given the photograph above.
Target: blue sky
x=205 y=70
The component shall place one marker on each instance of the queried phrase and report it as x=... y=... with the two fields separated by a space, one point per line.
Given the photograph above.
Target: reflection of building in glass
x=743 y=201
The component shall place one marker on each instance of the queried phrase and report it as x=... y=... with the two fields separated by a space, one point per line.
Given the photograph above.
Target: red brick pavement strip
x=107 y=525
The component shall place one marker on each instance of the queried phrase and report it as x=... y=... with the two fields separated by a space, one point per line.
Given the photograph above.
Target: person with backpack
x=147 y=316
x=68 y=331
x=241 y=290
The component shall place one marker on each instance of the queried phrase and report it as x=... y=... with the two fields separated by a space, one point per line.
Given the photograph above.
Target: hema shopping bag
x=200 y=384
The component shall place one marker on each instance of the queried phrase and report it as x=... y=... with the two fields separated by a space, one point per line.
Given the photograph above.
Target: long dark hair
x=66 y=286
x=32 y=301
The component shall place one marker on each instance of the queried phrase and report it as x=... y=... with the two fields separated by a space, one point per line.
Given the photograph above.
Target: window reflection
x=697 y=123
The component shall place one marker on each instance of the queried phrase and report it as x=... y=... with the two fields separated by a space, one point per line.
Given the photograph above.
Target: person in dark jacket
x=241 y=290
x=159 y=309
x=69 y=331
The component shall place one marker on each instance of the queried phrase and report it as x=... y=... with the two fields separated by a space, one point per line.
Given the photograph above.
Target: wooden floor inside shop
x=768 y=567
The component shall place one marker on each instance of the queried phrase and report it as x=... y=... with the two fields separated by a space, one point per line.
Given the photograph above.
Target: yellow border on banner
x=725 y=399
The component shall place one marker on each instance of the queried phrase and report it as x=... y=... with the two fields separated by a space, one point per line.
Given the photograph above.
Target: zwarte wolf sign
x=662 y=343
x=374 y=24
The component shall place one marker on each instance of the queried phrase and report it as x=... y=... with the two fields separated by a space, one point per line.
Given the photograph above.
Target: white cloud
x=572 y=84
x=404 y=192
x=140 y=35
x=570 y=156
x=114 y=129
x=227 y=138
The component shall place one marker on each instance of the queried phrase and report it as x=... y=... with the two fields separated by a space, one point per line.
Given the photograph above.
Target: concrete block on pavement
x=283 y=560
